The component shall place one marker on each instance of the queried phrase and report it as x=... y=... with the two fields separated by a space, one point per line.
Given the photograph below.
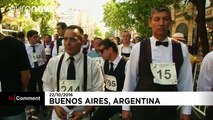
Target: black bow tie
x=162 y=43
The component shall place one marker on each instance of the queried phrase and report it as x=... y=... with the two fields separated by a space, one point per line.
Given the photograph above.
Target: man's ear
x=110 y=49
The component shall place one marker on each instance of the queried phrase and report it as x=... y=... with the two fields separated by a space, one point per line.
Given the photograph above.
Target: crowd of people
x=71 y=60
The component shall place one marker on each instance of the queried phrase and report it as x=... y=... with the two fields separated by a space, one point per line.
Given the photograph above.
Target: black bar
x=22 y=98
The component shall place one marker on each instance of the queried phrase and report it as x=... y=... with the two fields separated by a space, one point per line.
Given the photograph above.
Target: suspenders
x=85 y=71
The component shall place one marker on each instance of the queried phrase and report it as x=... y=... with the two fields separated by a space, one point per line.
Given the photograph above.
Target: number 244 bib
x=164 y=74
x=70 y=85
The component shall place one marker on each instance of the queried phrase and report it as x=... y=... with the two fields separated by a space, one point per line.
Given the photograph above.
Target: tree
x=109 y=33
x=41 y=11
x=134 y=14
x=97 y=32
x=201 y=24
x=131 y=14
x=116 y=16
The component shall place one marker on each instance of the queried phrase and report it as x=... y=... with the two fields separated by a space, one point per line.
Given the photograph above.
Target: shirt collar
x=34 y=44
x=155 y=39
x=117 y=60
x=76 y=57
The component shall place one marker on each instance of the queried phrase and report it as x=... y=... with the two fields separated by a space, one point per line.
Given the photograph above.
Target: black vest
x=59 y=43
x=118 y=73
x=145 y=82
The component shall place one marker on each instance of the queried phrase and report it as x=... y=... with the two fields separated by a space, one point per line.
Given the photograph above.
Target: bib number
x=47 y=51
x=164 y=74
x=111 y=82
x=70 y=85
x=36 y=57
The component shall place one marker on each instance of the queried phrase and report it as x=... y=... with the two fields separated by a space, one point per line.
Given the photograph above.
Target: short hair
x=49 y=36
x=62 y=24
x=96 y=38
x=80 y=30
x=1 y=16
x=160 y=8
x=125 y=31
x=20 y=35
x=85 y=35
x=30 y=33
x=107 y=43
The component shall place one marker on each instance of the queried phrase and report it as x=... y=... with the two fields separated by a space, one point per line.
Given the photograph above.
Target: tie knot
x=72 y=59
x=162 y=43
x=34 y=50
x=111 y=63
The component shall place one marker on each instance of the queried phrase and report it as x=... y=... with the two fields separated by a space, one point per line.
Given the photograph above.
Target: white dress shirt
x=205 y=79
x=115 y=63
x=55 y=52
x=39 y=49
x=160 y=54
x=123 y=49
x=95 y=79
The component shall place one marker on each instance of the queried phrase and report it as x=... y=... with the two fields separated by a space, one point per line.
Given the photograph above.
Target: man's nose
x=161 y=22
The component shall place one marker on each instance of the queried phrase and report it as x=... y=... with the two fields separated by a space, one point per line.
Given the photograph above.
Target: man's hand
x=175 y=40
x=61 y=113
x=126 y=115
x=77 y=115
x=185 y=117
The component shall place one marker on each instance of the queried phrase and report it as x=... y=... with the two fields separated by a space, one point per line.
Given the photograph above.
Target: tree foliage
x=131 y=14
x=97 y=32
x=134 y=14
x=109 y=33
x=41 y=11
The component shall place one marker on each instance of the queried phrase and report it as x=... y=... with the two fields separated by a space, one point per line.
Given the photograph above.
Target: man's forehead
x=161 y=14
x=74 y=31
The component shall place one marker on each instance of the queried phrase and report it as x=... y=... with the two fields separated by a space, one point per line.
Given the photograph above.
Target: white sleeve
x=185 y=82
x=54 y=52
x=205 y=79
x=131 y=72
x=44 y=54
x=97 y=76
x=48 y=77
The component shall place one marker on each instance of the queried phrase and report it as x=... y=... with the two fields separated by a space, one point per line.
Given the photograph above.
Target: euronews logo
x=34 y=8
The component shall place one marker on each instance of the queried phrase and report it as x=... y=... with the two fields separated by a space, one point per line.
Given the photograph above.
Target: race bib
x=70 y=85
x=36 y=57
x=99 y=60
x=164 y=74
x=111 y=82
x=61 y=50
x=47 y=51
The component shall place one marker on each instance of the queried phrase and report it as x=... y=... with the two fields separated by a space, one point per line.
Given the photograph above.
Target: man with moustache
x=72 y=69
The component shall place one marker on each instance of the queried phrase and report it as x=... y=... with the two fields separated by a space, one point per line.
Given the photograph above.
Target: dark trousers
x=36 y=76
x=106 y=112
x=153 y=112
x=209 y=113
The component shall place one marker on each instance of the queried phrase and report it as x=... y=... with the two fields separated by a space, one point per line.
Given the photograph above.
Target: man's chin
x=69 y=52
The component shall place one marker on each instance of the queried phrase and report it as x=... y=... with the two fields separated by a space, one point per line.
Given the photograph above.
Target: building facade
x=184 y=22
